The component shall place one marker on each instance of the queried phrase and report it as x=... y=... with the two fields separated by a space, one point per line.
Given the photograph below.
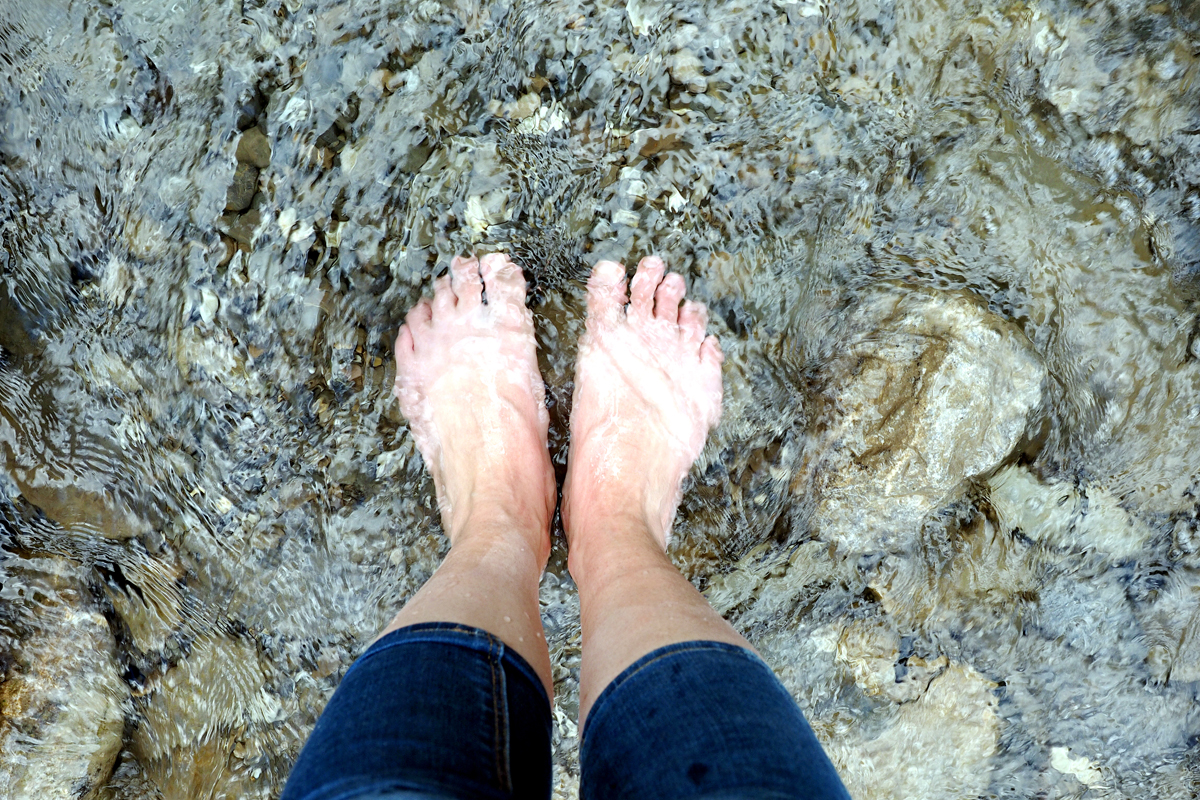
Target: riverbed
x=951 y=251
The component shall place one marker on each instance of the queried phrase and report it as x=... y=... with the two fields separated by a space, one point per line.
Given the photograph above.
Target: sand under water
x=951 y=250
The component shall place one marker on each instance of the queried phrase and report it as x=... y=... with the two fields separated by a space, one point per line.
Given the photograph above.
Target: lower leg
x=647 y=391
x=468 y=383
x=633 y=601
x=489 y=580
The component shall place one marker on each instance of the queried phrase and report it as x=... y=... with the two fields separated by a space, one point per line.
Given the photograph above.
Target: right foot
x=468 y=382
x=647 y=391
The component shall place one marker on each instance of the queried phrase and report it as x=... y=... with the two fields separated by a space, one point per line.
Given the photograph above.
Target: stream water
x=951 y=250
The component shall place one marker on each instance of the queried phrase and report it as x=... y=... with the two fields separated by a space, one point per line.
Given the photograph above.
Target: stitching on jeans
x=495 y=653
x=430 y=634
x=507 y=721
x=690 y=648
x=426 y=635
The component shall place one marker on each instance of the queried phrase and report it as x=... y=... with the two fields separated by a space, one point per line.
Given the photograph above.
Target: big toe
x=606 y=290
x=503 y=280
x=645 y=283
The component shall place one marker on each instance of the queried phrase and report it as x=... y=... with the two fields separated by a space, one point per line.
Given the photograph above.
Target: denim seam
x=423 y=635
x=495 y=655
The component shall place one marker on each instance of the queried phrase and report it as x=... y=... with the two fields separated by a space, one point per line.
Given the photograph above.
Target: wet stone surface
x=950 y=251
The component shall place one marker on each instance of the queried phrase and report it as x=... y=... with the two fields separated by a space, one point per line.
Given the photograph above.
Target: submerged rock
x=197 y=714
x=871 y=650
x=242 y=188
x=956 y=715
x=62 y=700
x=254 y=149
x=937 y=390
x=1065 y=517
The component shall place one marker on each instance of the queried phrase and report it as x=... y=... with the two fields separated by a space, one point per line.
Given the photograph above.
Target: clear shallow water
x=951 y=253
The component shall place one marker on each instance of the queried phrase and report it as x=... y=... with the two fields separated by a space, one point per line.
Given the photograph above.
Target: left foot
x=468 y=383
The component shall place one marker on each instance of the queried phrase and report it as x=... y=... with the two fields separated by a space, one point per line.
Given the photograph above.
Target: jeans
x=445 y=711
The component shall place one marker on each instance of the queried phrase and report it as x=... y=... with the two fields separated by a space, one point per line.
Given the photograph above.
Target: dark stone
x=250 y=110
x=241 y=227
x=242 y=189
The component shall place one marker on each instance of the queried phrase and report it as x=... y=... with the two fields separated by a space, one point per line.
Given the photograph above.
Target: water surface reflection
x=952 y=256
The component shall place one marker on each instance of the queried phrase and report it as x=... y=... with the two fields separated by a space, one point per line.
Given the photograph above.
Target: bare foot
x=468 y=382
x=647 y=391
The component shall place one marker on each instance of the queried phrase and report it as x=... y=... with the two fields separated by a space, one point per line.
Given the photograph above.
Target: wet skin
x=647 y=391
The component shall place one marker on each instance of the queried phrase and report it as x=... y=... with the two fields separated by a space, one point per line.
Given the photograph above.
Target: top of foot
x=647 y=392
x=468 y=382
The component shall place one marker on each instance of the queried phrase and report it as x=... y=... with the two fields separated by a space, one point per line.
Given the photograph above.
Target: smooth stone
x=937 y=391
x=523 y=107
x=62 y=707
x=254 y=148
x=1063 y=517
x=687 y=70
x=242 y=227
x=869 y=648
x=198 y=713
x=78 y=504
x=957 y=714
x=152 y=610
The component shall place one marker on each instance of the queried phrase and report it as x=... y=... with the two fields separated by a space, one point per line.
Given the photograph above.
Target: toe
x=666 y=299
x=693 y=320
x=606 y=290
x=417 y=320
x=444 y=300
x=710 y=352
x=404 y=345
x=503 y=280
x=645 y=283
x=465 y=280
x=404 y=356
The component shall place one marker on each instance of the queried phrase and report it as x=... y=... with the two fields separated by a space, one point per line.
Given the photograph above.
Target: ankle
x=604 y=502
x=604 y=546
x=488 y=526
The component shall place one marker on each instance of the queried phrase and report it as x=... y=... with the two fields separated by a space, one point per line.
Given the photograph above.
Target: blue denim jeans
x=440 y=711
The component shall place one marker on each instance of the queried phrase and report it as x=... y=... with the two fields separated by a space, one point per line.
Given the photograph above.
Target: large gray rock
x=936 y=391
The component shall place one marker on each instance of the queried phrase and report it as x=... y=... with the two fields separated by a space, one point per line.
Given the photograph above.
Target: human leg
x=453 y=699
x=431 y=711
x=673 y=701
x=468 y=383
x=647 y=390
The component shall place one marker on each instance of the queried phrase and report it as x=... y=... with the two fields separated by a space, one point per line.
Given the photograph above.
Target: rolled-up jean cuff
x=702 y=719
x=434 y=710
x=456 y=634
